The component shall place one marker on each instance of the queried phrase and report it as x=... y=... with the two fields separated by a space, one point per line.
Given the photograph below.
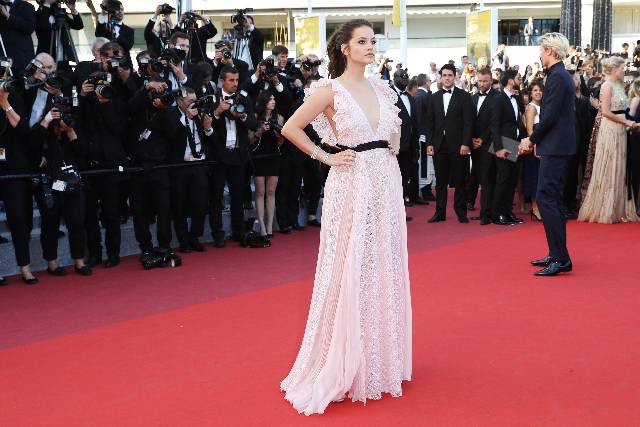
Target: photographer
x=110 y=24
x=174 y=59
x=233 y=118
x=265 y=147
x=223 y=57
x=119 y=67
x=14 y=159
x=198 y=36
x=306 y=66
x=50 y=18
x=17 y=22
x=84 y=68
x=267 y=78
x=249 y=41
x=190 y=185
x=60 y=192
x=383 y=67
x=102 y=116
x=159 y=28
x=154 y=123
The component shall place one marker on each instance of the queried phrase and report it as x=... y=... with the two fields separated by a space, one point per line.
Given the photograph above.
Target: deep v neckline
x=374 y=130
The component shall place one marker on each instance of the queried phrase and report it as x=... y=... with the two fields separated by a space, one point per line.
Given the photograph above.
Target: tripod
x=56 y=48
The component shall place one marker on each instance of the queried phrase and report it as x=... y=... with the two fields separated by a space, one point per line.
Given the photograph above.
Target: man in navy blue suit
x=555 y=139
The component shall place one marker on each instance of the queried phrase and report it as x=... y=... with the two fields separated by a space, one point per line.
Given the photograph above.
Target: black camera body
x=167 y=97
x=150 y=64
x=10 y=85
x=226 y=53
x=111 y=6
x=238 y=101
x=173 y=55
x=206 y=104
x=166 y=9
x=273 y=123
x=65 y=104
x=240 y=19
x=190 y=22
x=116 y=62
x=270 y=66
x=102 y=83
x=160 y=258
x=309 y=64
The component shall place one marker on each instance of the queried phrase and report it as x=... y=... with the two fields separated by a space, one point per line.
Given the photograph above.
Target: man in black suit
x=480 y=157
x=555 y=137
x=505 y=121
x=422 y=104
x=223 y=57
x=231 y=150
x=190 y=185
x=45 y=25
x=17 y=22
x=118 y=32
x=409 y=145
x=249 y=44
x=449 y=128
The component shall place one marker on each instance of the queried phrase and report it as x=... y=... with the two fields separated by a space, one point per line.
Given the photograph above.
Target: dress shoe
x=313 y=223
x=571 y=215
x=286 y=230
x=3 y=281
x=503 y=220
x=85 y=270
x=437 y=218
x=542 y=262
x=421 y=201
x=554 y=268
x=470 y=207
x=31 y=281
x=219 y=242
x=269 y=235
x=111 y=261
x=298 y=227
x=93 y=260
x=463 y=219
x=515 y=219
x=58 y=271
x=485 y=221
x=184 y=248
x=197 y=245
x=408 y=203
x=3 y=240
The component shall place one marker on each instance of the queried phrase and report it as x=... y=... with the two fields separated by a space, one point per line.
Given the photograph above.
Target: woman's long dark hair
x=337 y=60
x=261 y=105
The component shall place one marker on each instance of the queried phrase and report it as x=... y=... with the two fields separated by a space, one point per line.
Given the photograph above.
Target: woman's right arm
x=633 y=107
x=606 y=92
x=293 y=130
x=530 y=116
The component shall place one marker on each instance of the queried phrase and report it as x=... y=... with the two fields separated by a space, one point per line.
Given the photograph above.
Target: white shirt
x=433 y=76
x=514 y=105
x=243 y=52
x=232 y=135
x=116 y=28
x=446 y=99
x=38 y=107
x=404 y=96
x=174 y=81
x=188 y=156
x=481 y=99
x=9 y=6
x=279 y=87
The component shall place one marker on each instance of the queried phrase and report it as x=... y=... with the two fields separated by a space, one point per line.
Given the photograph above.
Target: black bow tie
x=514 y=96
x=404 y=92
x=482 y=94
x=229 y=96
x=446 y=91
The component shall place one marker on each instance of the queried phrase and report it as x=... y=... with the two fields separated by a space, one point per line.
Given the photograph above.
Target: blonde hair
x=611 y=63
x=634 y=90
x=557 y=42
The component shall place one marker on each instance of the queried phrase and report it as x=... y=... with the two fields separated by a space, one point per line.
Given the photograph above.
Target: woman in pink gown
x=357 y=341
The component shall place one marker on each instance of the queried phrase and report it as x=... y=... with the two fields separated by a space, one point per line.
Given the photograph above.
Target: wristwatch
x=8 y=109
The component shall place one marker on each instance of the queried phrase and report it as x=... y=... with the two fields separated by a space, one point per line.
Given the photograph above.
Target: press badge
x=59 y=185
x=3 y=155
x=144 y=135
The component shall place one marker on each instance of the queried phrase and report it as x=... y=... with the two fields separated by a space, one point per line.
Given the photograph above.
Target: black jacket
x=125 y=37
x=44 y=29
x=58 y=150
x=12 y=139
x=422 y=106
x=256 y=47
x=503 y=120
x=239 y=64
x=456 y=124
x=409 y=129
x=584 y=125
x=16 y=34
x=284 y=99
x=482 y=122
x=179 y=142
x=219 y=151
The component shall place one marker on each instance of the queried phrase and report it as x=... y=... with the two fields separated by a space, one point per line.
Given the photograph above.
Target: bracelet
x=8 y=109
x=325 y=158
x=314 y=153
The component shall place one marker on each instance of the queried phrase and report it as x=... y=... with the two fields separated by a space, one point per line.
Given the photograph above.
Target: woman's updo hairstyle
x=611 y=63
x=337 y=60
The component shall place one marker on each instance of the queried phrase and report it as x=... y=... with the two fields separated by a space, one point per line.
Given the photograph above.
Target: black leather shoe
x=111 y=261
x=554 y=268
x=485 y=221
x=503 y=220
x=313 y=223
x=437 y=218
x=421 y=201
x=3 y=281
x=286 y=230
x=197 y=245
x=270 y=236
x=515 y=219
x=463 y=219
x=85 y=270
x=219 y=242
x=93 y=260
x=3 y=240
x=184 y=248
x=408 y=203
x=32 y=281
x=542 y=262
x=58 y=271
x=470 y=207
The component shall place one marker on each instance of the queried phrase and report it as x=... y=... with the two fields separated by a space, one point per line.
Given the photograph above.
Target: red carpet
x=208 y=343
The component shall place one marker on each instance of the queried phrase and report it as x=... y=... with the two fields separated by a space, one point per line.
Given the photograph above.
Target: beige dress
x=607 y=198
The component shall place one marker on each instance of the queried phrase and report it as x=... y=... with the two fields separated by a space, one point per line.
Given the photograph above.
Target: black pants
x=488 y=184
x=233 y=176
x=455 y=167
x=409 y=172
x=549 y=198
x=103 y=196
x=16 y=194
x=315 y=175
x=475 y=176
x=69 y=204
x=189 y=197
x=288 y=192
x=150 y=192
x=505 y=188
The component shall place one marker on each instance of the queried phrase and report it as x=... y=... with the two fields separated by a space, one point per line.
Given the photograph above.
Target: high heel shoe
x=31 y=281
x=3 y=281
x=533 y=214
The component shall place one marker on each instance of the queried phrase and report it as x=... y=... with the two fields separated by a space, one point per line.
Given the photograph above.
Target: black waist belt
x=619 y=112
x=371 y=145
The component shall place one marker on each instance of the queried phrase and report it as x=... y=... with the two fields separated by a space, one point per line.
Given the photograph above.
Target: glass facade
x=511 y=31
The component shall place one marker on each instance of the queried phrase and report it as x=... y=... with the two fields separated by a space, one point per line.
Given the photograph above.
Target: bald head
x=47 y=61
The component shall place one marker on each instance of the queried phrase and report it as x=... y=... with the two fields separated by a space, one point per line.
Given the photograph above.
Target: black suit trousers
x=455 y=167
x=16 y=194
x=549 y=198
x=71 y=206
x=409 y=172
x=189 y=198
x=288 y=191
x=150 y=192
x=103 y=194
x=233 y=176
x=475 y=176
x=506 y=181
x=488 y=184
x=315 y=175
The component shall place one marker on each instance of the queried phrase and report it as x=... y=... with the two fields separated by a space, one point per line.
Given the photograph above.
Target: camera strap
x=191 y=129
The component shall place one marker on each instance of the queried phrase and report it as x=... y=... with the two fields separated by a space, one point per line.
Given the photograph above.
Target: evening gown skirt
x=357 y=339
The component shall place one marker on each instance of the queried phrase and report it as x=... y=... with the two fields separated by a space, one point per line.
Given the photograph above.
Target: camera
x=43 y=182
x=70 y=177
x=167 y=97
x=189 y=23
x=116 y=62
x=173 y=55
x=273 y=124
x=10 y=85
x=55 y=81
x=111 y=6
x=64 y=104
x=166 y=9
x=270 y=66
x=206 y=104
x=240 y=19
x=160 y=258
x=226 y=53
x=309 y=64
x=102 y=82
x=238 y=102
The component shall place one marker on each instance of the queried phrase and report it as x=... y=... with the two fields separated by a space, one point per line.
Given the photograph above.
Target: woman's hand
x=343 y=158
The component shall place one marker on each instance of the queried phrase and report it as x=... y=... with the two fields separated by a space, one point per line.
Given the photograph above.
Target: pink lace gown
x=358 y=334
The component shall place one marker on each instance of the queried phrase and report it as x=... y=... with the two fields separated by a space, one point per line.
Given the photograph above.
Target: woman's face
x=271 y=104
x=361 y=47
x=536 y=94
x=618 y=73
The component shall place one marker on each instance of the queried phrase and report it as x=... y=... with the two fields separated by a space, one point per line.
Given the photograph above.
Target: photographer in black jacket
x=223 y=57
x=115 y=30
x=268 y=78
x=190 y=184
x=233 y=118
x=249 y=41
x=48 y=17
x=150 y=190
x=103 y=117
x=14 y=159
